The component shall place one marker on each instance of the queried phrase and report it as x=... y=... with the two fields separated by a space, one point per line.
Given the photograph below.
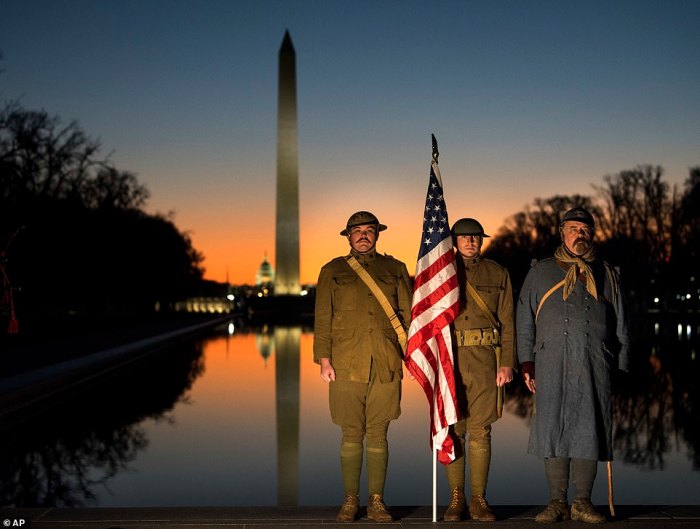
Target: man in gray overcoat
x=572 y=332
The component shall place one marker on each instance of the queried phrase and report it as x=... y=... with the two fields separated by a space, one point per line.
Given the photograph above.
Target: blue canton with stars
x=436 y=227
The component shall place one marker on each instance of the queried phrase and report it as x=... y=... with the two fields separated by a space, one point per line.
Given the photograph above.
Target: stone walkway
x=510 y=517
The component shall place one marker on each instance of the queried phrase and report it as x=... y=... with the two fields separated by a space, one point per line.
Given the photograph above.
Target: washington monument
x=287 y=234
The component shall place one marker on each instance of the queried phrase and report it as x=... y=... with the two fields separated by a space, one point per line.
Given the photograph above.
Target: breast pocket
x=490 y=294
x=345 y=292
x=389 y=285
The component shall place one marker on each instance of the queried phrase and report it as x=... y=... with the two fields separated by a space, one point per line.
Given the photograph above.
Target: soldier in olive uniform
x=485 y=359
x=360 y=356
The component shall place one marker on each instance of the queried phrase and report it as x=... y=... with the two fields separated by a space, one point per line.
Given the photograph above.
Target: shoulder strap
x=482 y=305
x=549 y=293
x=381 y=298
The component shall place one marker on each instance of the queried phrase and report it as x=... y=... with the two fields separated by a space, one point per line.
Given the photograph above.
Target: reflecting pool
x=240 y=418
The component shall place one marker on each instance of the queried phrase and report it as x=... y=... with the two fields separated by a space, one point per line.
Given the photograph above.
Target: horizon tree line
x=75 y=238
x=645 y=227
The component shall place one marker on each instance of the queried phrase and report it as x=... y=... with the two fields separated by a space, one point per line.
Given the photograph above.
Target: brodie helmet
x=359 y=218
x=468 y=227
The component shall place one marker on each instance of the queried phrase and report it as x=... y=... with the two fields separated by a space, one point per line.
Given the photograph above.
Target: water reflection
x=286 y=343
x=222 y=420
x=61 y=455
x=656 y=404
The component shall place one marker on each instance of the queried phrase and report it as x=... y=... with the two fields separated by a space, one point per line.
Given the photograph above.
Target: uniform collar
x=364 y=258
x=471 y=261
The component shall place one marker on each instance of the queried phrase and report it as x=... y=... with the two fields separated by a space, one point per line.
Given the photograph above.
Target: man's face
x=469 y=246
x=363 y=238
x=577 y=236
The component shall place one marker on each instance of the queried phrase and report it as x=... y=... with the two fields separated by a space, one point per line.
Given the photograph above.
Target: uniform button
x=588 y=308
x=587 y=322
x=566 y=320
x=370 y=331
x=371 y=313
x=369 y=295
x=566 y=333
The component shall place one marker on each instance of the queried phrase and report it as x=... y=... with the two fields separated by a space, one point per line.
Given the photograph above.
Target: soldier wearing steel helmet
x=483 y=364
x=360 y=357
x=572 y=328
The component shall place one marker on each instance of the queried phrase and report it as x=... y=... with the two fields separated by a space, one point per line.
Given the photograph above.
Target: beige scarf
x=579 y=264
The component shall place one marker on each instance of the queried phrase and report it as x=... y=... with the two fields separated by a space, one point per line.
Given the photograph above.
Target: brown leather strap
x=482 y=305
x=549 y=293
x=381 y=298
x=500 y=393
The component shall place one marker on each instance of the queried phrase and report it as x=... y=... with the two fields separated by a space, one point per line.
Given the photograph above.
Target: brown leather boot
x=555 y=511
x=376 y=510
x=480 y=510
x=584 y=511
x=348 y=511
x=457 y=505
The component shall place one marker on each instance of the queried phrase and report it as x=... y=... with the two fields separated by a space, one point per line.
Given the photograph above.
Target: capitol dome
x=266 y=274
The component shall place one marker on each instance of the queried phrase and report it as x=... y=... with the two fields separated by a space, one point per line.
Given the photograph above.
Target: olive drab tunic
x=476 y=359
x=351 y=329
x=575 y=344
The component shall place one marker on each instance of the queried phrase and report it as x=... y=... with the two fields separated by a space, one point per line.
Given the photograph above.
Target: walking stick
x=610 y=490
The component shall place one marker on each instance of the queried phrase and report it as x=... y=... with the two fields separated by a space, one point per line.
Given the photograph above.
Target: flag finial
x=435 y=149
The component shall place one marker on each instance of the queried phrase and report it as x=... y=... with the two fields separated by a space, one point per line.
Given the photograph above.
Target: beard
x=581 y=245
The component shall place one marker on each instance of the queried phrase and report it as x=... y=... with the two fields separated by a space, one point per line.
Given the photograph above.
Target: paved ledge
x=24 y=389
x=628 y=517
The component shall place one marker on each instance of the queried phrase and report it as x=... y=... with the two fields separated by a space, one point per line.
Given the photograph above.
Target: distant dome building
x=265 y=341
x=266 y=274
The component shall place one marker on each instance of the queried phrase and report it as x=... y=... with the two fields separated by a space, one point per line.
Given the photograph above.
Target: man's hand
x=529 y=375
x=504 y=375
x=327 y=371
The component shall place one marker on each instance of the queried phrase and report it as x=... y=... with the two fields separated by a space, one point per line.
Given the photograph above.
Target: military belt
x=471 y=337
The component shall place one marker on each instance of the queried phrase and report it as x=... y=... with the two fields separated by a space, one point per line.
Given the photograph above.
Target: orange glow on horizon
x=320 y=242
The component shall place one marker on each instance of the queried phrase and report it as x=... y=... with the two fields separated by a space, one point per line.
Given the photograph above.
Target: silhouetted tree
x=685 y=258
x=532 y=234
x=643 y=228
x=87 y=248
x=637 y=208
x=42 y=159
x=635 y=228
x=111 y=188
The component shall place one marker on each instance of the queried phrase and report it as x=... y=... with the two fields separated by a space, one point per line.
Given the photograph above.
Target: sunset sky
x=527 y=99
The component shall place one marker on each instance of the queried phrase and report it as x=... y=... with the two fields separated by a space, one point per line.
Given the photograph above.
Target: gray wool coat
x=575 y=344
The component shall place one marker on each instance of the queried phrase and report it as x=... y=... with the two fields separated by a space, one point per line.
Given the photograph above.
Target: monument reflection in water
x=242 y=419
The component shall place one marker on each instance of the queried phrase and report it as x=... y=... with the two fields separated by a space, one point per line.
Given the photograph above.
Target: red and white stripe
x=429 y=356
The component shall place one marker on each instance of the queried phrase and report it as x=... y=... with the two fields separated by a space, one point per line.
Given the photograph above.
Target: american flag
x=435 y=305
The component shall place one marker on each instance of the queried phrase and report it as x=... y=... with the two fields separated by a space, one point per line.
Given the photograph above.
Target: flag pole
x=436 y=154
x=434 y=484
x=429 y=356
